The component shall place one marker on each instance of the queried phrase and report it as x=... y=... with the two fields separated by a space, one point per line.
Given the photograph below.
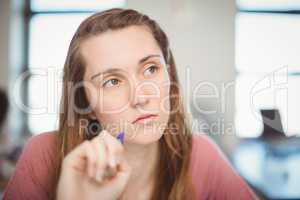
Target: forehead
x=118 y=48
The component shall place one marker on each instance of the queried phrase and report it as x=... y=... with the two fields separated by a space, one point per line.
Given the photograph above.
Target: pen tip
x=120 y=137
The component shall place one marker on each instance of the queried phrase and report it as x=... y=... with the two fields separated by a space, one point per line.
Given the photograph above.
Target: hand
x=83 y=170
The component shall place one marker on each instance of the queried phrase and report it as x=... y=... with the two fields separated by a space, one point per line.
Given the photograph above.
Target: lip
x=144 y=118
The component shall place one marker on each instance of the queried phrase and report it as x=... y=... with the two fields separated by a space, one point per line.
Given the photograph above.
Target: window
x=267 y=63
x=269 y=5
x=75 y=5
x=51 y=27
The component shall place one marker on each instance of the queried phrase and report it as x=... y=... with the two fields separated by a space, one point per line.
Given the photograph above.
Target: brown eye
x=111 y=82
x=150 y=70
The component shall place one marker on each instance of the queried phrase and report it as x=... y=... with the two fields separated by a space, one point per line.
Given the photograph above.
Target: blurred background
x=238 y=64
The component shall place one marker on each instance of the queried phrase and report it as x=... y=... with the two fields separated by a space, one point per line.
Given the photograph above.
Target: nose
x=140 y=96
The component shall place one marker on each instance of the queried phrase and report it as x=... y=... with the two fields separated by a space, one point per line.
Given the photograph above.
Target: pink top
x=212 y=174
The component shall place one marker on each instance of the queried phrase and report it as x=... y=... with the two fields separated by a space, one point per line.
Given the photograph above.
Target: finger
x=114 y=147
x=101 y=155
x=78 y=157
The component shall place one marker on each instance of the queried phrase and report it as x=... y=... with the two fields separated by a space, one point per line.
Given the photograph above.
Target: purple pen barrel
x=120 y=137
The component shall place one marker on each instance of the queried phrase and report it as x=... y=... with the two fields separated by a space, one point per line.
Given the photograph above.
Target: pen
x=120 y=137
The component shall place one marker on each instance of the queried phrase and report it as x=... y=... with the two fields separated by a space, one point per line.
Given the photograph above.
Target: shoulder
x=202 y=139
x=33 y=173
x=42 y=145
x=212 y=172
x=205 y=153
x=47 y=139
x=207 y=159
x=40 y=149
x=203 y=145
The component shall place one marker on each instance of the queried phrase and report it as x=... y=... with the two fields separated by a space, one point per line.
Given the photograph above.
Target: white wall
x=201 y=33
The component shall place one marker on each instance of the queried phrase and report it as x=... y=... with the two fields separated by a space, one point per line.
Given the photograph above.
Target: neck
x=143 y=161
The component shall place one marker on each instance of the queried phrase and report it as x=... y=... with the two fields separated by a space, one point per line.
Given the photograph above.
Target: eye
x=150 y=70
x=111 y=82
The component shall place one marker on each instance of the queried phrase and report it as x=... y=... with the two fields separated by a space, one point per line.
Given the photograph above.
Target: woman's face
x=126 y=79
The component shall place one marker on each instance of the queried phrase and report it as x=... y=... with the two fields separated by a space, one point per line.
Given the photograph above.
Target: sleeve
x=224 y=182
x=31 y=179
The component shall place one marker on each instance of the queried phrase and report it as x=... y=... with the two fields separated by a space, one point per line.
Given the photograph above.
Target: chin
x=146 y=136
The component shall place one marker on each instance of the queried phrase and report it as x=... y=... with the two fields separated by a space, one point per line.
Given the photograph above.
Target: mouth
x=144 y=119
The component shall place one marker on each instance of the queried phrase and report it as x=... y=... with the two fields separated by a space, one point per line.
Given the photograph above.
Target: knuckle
x=85 y=144
x=104 y=133
x=102 y=163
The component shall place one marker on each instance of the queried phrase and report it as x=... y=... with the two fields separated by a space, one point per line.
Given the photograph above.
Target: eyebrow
x=112 y=70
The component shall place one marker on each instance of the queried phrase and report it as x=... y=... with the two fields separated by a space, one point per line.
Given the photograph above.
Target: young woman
x=120 y=74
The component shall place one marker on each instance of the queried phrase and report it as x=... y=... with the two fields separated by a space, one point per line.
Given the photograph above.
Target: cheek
x=116 y=123
x=114 y=100
x=107 y=104
x=111 y=122
x=113 y=104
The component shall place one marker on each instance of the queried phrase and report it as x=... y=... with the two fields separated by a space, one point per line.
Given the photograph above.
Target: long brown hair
x=172 y=179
